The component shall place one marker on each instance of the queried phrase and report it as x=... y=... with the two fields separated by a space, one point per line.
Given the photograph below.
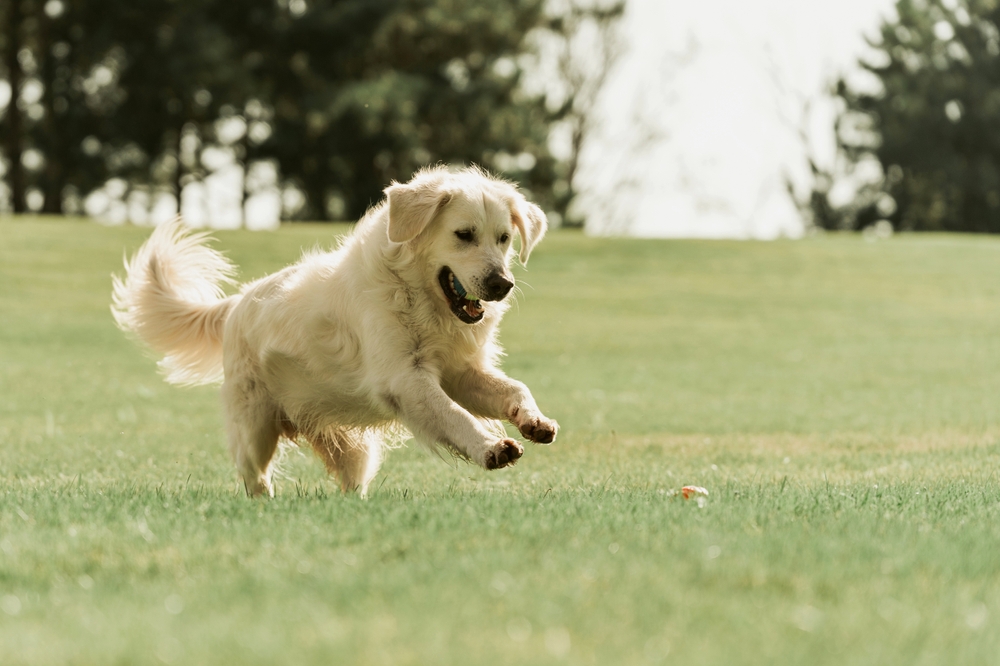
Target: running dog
x=397 y=326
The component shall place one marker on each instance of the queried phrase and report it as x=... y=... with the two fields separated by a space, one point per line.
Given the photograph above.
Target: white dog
x=397 y=326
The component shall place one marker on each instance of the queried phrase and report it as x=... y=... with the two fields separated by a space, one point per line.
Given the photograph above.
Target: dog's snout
x=498 y=285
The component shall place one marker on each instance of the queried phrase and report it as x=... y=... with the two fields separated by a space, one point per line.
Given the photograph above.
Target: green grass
x=839 y=399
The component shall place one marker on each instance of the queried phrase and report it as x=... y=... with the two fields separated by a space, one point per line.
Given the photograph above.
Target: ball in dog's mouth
x=464 y=305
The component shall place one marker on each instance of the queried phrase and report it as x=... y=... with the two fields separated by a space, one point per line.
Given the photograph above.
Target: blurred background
x=721 y=119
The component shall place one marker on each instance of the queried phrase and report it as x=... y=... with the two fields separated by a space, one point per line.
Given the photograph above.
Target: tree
x=588 y=44
x=62 y=94
x=342 y=95
x=67 y=52
x=931 y=121
x=366 y=92
x=12 y=125
x=301 y=59
x=174 y=67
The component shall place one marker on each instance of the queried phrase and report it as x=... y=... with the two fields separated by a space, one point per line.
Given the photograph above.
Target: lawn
x=839 y=399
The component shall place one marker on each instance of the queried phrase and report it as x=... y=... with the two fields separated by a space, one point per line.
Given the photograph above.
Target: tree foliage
x=343 y=96
x=929 y=115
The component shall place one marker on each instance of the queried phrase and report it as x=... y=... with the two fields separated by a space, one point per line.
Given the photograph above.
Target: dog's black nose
x=497 y=286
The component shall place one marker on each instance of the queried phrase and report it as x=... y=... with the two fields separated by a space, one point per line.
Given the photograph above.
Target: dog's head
x=462 y=226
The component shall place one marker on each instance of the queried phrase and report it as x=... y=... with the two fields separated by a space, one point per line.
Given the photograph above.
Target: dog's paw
x=504 y=453
x=539 y=429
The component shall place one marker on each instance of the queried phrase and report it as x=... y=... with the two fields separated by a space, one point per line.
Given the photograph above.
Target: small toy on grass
x=687 y=492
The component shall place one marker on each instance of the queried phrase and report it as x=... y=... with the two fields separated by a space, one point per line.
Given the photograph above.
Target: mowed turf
x=839 y=399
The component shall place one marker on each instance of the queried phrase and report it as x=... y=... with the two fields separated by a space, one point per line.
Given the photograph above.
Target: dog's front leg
x=422 y=406
x=495 y=395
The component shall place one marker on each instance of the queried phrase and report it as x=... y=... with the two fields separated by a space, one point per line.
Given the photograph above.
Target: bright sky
x=701 y=117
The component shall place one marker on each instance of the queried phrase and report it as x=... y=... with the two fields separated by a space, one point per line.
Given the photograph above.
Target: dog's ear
x=413 y=205
x=531 y=223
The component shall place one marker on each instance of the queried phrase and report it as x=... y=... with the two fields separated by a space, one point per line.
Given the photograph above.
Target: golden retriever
x=396 y=326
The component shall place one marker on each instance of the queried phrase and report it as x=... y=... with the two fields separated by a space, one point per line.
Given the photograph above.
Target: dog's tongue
x=473 y=308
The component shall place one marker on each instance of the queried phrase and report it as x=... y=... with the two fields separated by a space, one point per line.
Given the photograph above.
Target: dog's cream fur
x=343 y=345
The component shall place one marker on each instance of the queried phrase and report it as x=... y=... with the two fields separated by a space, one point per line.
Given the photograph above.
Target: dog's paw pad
x=503 y=454
x=540 y=430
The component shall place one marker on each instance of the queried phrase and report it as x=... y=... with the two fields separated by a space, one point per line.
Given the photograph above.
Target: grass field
x=839 y=399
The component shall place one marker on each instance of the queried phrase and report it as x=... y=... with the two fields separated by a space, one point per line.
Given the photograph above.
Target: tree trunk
x=55 y=146
x=179 y=169
x=12 y=143
x=245 y=157
x=315 y=192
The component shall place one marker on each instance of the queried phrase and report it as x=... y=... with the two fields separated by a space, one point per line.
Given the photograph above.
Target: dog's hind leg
x=253 y=428
x=353 y=456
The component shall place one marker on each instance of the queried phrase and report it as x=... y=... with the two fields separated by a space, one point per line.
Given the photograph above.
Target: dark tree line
x=341 y=95
x=929 y=116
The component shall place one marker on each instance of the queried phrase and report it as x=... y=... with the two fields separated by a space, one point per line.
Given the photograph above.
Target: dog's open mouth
x=465 y=306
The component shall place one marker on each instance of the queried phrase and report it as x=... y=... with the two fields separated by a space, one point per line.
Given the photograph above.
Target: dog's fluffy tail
x=171 y=298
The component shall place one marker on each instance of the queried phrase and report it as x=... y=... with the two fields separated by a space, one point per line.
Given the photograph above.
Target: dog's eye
x=504 y=238
x=465 y=235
